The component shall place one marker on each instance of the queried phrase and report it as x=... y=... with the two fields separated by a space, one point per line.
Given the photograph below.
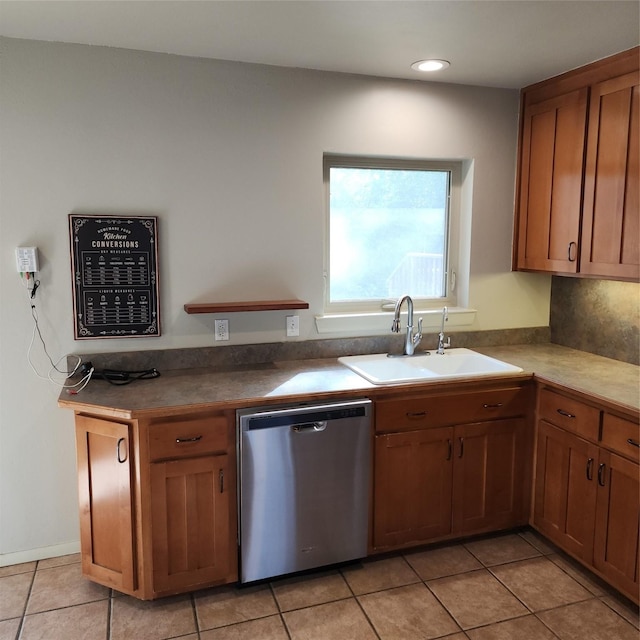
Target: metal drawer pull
x=492 y=406
x=221 y=478
x=566 y=414
x=633 y=442
x=571 y=256
x=590 y=469
x=461 y=447
x=121 y=460
x=183 y=440
x=601 y=469
x=412 y=415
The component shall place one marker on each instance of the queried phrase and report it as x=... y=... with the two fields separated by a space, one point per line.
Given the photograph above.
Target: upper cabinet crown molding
x=577 y=204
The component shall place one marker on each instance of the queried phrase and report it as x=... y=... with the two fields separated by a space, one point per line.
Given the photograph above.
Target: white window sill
x=380 y=323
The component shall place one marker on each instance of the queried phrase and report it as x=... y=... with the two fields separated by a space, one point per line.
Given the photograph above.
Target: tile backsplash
x=598 y=316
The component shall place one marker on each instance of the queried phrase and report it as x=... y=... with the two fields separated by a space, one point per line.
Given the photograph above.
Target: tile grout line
x=26 y=602
x=109 y=609
x=280 y=612
x=607 y=591
x=355 y=597
x=613 y=596
x=192 y=600
x=591 y=596
x=488 y=569
x=546 y=626
x=449 y=613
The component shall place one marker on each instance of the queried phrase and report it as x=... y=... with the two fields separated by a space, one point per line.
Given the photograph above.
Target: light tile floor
x=495 y=588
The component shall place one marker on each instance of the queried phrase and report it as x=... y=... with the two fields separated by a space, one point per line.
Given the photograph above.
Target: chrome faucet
x=442 y=344
x=411 y=340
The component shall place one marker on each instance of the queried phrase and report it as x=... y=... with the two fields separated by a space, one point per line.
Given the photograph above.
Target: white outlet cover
x=293 y=326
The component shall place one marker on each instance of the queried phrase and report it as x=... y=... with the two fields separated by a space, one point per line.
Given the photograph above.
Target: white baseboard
x=41 y=553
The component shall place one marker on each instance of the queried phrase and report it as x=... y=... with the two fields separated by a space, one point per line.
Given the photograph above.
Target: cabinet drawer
x=621 y=436
x=442 y=410
x=186 y=438
x=569 y=414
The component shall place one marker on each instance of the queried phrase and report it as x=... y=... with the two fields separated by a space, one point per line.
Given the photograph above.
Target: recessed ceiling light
x=430 y=65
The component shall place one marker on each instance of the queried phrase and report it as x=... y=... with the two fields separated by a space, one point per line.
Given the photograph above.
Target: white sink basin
x=454 y=363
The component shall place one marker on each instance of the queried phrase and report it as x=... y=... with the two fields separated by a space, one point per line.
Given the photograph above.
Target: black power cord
x=118 y=377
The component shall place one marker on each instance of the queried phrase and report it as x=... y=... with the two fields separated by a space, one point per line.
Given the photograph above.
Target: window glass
x=388 y=233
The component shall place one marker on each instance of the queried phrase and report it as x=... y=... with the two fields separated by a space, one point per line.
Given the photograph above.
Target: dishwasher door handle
x=305 y=427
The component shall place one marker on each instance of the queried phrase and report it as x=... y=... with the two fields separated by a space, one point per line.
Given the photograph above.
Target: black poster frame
x=114 y=267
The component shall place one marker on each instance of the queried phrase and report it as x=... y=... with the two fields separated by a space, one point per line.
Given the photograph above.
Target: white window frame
x=365 y=307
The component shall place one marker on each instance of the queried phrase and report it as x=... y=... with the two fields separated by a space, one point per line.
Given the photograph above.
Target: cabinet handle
x=121 y=460
x=497 y=405
x=633 y=443
x=183 y=440
x=590 y=469
x=461 y=447
x=416 y=415
x=601 y=469
x=571 y=256
x=221 y=478
x=449 y=449
x=566 y=414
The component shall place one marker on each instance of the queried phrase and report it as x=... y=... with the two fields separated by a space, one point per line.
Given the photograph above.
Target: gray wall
x=229 y=157
x=598 y=316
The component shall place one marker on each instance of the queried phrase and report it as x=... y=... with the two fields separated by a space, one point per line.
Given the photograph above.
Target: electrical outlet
x=222 y=330
x=27 y=259
x=293 y=326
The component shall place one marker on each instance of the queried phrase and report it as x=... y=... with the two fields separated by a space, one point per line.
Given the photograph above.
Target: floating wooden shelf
x=255 y=305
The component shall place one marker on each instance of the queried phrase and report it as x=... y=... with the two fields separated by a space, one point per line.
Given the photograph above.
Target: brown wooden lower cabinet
x=565 y=489
x=158 y=512
x=615 y=552
x=190 y=522
x=435 y=482
x=488 y=475
x=107 y=534
x=158 y=502
x=587 y=499
x=413 y=482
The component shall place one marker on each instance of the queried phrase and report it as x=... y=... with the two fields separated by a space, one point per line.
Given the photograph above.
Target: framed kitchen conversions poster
x=114 y=264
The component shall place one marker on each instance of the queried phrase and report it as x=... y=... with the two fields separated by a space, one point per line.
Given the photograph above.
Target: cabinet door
x=192 y=538
x=611 y=229
x=551 y=162
x=488 y=475
x=106 y=515
x=412 y=494
x=616 y=539
x=565 y=489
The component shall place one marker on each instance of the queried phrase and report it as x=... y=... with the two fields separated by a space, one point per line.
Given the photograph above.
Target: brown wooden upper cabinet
x=611 y=237
x=577 y=208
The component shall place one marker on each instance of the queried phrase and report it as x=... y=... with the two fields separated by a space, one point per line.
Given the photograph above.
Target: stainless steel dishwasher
x=304 y=487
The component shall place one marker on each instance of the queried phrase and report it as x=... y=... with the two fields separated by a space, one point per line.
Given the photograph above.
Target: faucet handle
x=418 y=336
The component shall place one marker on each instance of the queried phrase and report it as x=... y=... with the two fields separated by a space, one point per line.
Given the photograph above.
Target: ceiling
x=504 y=43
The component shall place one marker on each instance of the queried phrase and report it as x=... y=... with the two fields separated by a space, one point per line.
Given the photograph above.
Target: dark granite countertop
x=612 y=382
x=617 y=384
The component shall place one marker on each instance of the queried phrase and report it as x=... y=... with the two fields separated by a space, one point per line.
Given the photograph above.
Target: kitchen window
x=391 y=230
